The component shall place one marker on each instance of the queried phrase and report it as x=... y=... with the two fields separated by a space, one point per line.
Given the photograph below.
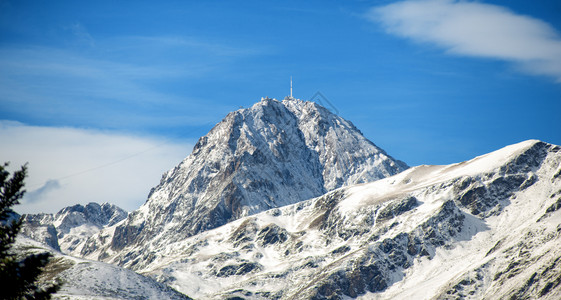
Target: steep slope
x=68 y=229
x=488 y=228
x=83 y=279
x=270 y=155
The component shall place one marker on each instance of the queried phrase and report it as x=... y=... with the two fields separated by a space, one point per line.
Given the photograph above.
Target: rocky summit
x=267 y=156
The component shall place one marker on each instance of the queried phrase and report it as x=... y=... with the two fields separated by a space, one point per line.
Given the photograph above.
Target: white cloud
x=69 y=166
x=476 y=29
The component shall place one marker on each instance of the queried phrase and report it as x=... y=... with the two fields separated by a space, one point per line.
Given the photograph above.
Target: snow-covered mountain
x=488 y=228
x=84 y=279
x=68 y=229
x=267 y=156
x=285 y=200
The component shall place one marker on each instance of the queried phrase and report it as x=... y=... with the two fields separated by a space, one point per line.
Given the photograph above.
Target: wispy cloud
x=36 y=195
x=49 y=83
x=116 y=81
x=478 y=30
x=91 y=76
x=81 y=34
x=70 y=165
x=193 y=45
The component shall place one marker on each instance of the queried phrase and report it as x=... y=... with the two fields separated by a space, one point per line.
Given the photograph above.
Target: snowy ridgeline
x=486 y=228
x=68 y=229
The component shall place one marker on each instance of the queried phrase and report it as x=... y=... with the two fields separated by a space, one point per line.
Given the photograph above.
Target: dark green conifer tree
x=18 y=276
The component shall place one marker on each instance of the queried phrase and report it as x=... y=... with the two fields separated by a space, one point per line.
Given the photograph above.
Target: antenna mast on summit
x=290 y=87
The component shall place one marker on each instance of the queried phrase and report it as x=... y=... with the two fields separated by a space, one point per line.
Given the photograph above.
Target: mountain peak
x=272 y=154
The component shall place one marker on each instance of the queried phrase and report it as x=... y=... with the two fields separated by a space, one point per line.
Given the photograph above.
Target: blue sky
x=119 y=84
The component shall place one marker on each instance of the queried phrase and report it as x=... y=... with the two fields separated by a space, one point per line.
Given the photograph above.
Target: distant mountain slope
x=83 y=279
x=270 y=155
x=68 y=229
x=488 y=228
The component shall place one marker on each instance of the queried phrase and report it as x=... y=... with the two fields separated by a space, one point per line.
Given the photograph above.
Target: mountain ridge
x=369 y=240
x=68 y=229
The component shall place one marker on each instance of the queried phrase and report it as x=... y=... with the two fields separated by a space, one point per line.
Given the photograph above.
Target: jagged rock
x=396 y=208
x=68 y=229
x=272 y=234
x=240 y=269
x=41 y=232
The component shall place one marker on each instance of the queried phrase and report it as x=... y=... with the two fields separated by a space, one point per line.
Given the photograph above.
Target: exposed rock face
x=38 y=228
x=374 y=270
x=68 y=229
x=270 y=155
x=486 y=228
x=100 y=215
